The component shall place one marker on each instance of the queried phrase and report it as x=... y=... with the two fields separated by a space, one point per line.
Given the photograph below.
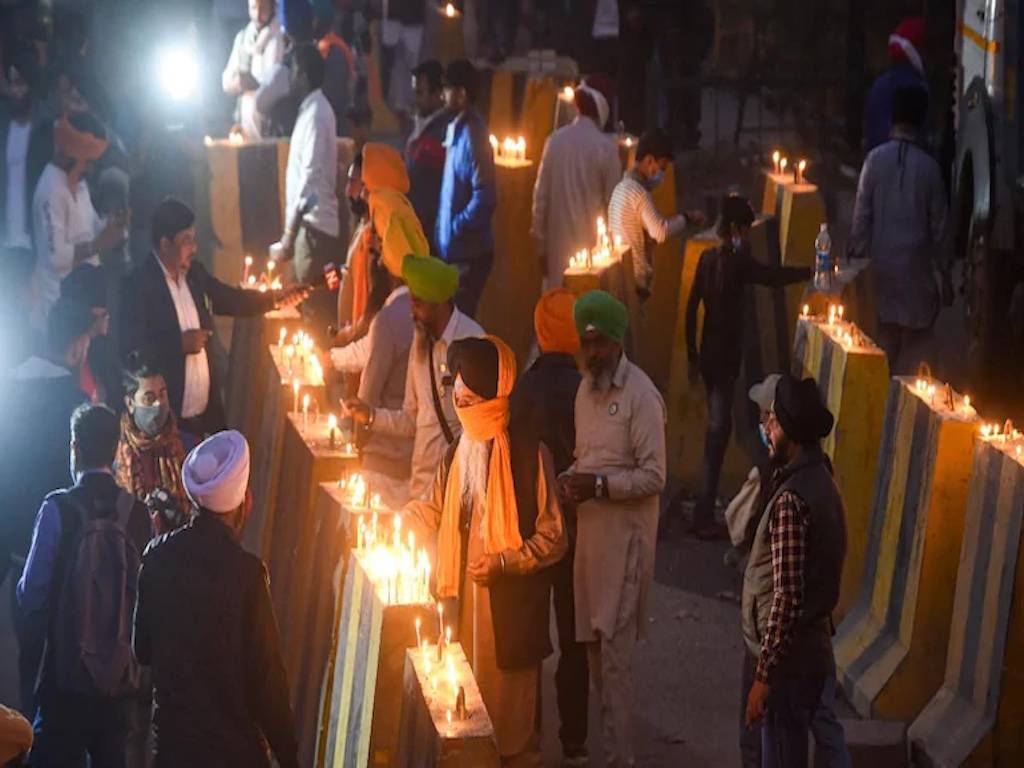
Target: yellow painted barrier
x=426 y=737
x=890 y=647
x=801 y=212
x=278 y=400
x=977 y=717
x=364 y=708
x=513 y=287
x=655 y=320
x=770 y=198
x=854 y=381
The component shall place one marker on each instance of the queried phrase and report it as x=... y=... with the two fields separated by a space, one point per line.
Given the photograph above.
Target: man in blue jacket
x=468 y=196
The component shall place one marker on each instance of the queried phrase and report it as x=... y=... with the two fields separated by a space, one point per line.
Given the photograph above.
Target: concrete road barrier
x=977 y=717
x=891 y=646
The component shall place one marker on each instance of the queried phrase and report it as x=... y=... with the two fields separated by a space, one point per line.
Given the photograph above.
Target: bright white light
x=178 y=71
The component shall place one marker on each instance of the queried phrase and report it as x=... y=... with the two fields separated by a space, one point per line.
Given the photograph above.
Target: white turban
x=599 y=101
x=216 y=472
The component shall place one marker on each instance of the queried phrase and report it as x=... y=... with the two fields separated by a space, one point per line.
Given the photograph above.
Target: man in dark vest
x=543 y=410
x=498 y=527
x=792 y=580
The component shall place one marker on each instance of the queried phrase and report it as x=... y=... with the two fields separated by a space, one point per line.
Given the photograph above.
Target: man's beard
x=359 y=207
x=474 y=459
x=600 y=377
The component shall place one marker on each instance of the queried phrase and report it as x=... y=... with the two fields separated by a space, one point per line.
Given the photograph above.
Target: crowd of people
x=146 y=633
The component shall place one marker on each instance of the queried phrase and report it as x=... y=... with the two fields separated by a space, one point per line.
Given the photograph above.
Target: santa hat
x=907 y=41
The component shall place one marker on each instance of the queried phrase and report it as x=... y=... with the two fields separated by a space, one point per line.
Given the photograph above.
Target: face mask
x=150 y=418
x=655 y=180
x=359 y=207
x=763 y=434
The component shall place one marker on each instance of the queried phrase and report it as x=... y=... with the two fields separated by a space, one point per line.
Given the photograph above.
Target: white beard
x=602 y=382
x=474 y=458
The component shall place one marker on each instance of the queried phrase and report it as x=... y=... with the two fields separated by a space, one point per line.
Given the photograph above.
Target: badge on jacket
x=613 y=409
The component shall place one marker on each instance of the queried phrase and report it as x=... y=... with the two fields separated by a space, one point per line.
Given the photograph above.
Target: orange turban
x=384 y=168
x=484 y=421
x=553 y=321
x=78 y=145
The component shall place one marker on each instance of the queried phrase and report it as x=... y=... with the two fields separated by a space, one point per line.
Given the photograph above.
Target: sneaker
x=575 y=757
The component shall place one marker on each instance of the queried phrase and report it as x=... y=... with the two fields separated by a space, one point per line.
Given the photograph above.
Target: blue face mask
x=737 y=243
x=763 y=434
x=655 y=180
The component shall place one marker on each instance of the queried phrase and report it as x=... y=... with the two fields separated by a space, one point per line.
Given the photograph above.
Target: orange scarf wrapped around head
x=485 y=421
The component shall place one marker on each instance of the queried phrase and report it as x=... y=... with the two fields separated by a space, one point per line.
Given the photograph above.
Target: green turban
x=430 y=279
x=600 y=311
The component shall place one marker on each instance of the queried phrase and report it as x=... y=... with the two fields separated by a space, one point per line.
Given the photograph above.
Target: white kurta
x=257 y=51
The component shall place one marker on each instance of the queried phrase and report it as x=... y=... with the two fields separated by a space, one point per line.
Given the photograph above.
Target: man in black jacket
x=543 y=410
x=719 y=284
x=168 y=303
x=205 y=625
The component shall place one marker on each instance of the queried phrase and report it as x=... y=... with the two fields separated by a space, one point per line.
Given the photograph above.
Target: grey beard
x=474 y=458
x=601 y=382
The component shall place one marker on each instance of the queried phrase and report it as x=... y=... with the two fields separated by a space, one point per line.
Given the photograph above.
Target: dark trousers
x=720 y=394
x=472 y=280
x=785 y=733
x=68 y=728
x=572 y=681
x=906 y=348
x=313 y=251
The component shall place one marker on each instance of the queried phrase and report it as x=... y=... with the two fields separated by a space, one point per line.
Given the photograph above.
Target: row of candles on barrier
x=780 y=163
x=300 y=354
x=400 y=573
x=847 y=333
x=265 y=281
x=604 y=253
x=509 y=151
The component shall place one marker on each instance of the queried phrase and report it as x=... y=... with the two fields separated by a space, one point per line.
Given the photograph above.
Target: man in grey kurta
x=900 y=222
x=616 y=480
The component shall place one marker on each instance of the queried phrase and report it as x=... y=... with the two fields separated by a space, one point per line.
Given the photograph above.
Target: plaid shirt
x=787 y=530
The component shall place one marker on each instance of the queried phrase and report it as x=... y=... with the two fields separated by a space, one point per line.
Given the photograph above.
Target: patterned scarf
x=145 y=463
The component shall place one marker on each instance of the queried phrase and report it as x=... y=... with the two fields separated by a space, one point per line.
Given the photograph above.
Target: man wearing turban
x=616 y=482
x=498 y=527
x=394 y=219
x=65 y=227
x=542 y=407
x=205 y=626
x=791 y=584
x=427 y=416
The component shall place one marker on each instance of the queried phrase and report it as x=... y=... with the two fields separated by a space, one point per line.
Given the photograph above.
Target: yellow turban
x=397 y=227
x=553 y=321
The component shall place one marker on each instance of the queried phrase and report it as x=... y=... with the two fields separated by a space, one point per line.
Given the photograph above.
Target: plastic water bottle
x=823 y=259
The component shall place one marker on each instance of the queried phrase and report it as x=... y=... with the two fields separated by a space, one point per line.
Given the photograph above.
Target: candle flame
x=332 y=421
x=251 y=280
x=449 y=11
x=248 y=261
x=568 y=93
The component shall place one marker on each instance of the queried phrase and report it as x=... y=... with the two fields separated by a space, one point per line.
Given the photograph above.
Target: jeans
x=68 y=728
x=829 y=738
x=572 y=682
x=472 y=279
x=787 y=722
x=716 y=441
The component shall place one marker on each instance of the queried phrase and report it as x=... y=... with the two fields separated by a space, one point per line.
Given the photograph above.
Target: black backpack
x=91 y=627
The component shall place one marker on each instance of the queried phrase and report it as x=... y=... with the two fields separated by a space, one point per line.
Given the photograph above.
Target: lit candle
x=280 y=339
x=807 y=310
x=782 y=165
x=251 y=282
x=800 y=168
x=967 y=403
x=305 y=412
x=775 y=161
x=332 y=428
x=295 y=391
x=494 y=145
x=417 y=631
x=568 y=94
x=449 y=11
x=521 y=149
x=440 y=622
x=245 y=272
x=398 y=532
x=840 y=311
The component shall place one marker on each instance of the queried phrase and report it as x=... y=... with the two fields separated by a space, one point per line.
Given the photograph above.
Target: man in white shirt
x=258 y=48
x=578 y=170
x=312 y=173
x=168 y=303
x=427 y=415
x=65 y=227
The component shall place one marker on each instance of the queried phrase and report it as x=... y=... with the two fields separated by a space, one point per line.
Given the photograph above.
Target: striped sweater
x=631 y=213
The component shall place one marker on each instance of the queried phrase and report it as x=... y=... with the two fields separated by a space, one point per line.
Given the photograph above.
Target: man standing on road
x=578 y=170
x=543 y=411
x=901 y=222
x=791 y=584
x=463 y=233
x=424 y=151
x=616 y=482
x=258 y=48
x=427 y=416
x=205 y=625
